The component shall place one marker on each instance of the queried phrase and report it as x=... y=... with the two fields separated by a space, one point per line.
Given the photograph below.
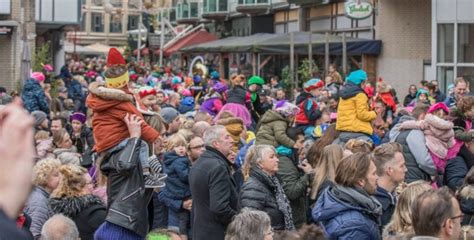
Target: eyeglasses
x=455 y=217
x=459 y=216
x=197 y=147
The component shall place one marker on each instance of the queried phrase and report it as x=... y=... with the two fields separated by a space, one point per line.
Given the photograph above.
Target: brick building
x=12 y=30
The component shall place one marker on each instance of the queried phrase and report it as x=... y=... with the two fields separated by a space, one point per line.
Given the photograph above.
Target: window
x=133 y=22
x=97 y=2
x=465 y=45
x=116 y=26
x=445 y=76
x=223 y=6
x=445 y=43
x=116 y=3
x=97 y=23
x=133 y=3
x=194 y=10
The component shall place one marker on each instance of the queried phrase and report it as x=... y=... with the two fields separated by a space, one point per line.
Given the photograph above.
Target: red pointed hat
x=114 y=58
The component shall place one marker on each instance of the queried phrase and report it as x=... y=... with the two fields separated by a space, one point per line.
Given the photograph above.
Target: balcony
x=215 y=9
x=253 y=6
x=188 y=12
x=55 y=14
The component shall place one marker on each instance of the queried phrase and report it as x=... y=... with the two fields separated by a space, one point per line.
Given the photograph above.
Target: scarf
x=283 y=204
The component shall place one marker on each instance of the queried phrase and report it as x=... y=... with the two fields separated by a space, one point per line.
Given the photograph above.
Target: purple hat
x=219 y=87
x=78 y=116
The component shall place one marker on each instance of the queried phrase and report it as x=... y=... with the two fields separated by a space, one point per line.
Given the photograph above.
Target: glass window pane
x=223 y=5
x=465 y=45
x=212 y=5
x=185 y=11
x=194 y=10
x=280 y=28
x=97 y=24
x=468 y=74
x=445 y=77
x=116 y=26
x=133 y=22
x=445 y=43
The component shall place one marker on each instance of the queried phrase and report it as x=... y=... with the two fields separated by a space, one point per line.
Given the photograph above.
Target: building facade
x=14 y=29
x=110 y=28
x=452 y=47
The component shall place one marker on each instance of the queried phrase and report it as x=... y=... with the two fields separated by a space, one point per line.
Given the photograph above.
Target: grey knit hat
x=39 y=117
x=169 y=114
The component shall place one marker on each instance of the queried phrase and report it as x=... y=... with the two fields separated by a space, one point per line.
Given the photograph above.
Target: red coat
x=110 y=107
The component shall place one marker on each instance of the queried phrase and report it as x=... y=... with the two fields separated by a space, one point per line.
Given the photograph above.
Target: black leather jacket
x=127 y=198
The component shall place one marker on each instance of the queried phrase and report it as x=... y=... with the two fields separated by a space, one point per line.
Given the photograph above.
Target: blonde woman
x=73 y=199
x=401 y=226
x=45 y=180
x=326 y=169
x=262 y=190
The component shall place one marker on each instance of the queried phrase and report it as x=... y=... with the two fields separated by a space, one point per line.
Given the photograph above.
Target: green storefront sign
x=358 y=9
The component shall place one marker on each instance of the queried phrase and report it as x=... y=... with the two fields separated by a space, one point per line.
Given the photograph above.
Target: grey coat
x=37 y=209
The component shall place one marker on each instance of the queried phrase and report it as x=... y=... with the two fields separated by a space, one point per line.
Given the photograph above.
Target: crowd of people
x=128 y=151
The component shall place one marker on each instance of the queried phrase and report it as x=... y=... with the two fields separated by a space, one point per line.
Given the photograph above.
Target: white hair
x=213 y=134
x=59 y=227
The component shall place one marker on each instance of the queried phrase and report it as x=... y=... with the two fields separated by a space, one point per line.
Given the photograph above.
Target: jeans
x=143 y=156
x=160 y=213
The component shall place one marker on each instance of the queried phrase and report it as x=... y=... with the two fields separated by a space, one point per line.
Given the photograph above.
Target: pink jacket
x=439 y=136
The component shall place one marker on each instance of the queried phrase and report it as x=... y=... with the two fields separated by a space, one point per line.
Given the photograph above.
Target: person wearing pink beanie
x=38 y=76
x=33 y=96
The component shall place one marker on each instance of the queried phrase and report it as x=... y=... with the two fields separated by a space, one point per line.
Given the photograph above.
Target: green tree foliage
x=40 y=57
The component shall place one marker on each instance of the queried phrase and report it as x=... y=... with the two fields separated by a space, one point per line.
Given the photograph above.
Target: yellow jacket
x=353 y=114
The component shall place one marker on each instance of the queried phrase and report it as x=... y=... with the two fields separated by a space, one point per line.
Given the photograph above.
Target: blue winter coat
x=343 y=220
x=74 y=90
x=33 y=97
x=177 y=169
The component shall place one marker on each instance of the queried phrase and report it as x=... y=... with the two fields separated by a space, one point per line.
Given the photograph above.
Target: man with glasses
x=436 y=214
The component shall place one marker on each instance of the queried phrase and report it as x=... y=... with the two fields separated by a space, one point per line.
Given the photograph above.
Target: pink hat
x=38 y=76
x=48 y=67
x=437 y=107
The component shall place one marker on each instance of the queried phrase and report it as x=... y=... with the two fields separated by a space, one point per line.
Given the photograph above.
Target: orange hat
x=116 y=75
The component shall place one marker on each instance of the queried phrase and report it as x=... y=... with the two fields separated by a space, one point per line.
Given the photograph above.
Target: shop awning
x=194 y=38
x=280 y=44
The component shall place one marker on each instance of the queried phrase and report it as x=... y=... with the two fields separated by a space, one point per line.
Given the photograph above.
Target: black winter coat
x=215 y=198
x=85 y=142
x=259 y=193
x=127 y=197
x=88 y=212
x=457 y=168
x=9 y=230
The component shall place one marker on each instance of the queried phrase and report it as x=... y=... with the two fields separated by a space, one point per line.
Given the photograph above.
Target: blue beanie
x=215 y=75
x=188 y=101
x=197 y=79
x=357 y=77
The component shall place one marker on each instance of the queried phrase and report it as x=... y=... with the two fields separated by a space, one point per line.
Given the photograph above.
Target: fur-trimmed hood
x=72 y=206
x=105 y=93
x=467 y=192
x=102 y=98
x=228 y=121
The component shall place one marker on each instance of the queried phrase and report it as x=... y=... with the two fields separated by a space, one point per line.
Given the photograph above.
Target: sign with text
x=4 y=30
x=358 y=9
